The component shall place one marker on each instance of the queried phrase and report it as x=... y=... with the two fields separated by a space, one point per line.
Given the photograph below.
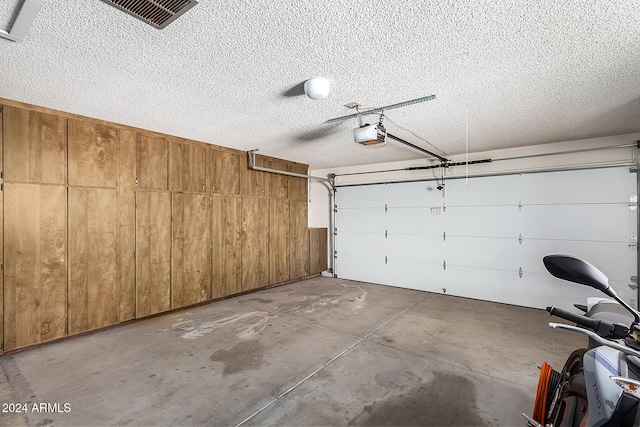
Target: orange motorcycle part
x=540 y=404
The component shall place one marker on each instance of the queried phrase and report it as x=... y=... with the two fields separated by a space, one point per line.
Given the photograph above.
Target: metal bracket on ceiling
x=380 y=109
x=21 y=25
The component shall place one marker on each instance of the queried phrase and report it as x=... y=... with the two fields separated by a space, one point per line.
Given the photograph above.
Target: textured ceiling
x=513 y=73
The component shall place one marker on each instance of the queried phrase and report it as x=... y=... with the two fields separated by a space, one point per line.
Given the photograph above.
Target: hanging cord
x=466 y=172
x=467 y=70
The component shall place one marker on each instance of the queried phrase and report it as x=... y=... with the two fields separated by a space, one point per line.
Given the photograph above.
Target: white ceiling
x=517 y=72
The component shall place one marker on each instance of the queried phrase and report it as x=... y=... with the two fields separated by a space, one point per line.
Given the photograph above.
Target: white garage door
x=485 y=237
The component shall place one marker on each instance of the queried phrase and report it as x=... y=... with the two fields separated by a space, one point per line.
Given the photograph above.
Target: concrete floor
x=323 y=351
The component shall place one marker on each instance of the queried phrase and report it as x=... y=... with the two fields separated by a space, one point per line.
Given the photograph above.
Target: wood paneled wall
x=104 y=223
x=318 y=253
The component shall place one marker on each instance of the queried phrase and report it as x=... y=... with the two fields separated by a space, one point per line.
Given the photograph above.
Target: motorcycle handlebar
x=601 y=327
x=575 y=318
x=597 y=338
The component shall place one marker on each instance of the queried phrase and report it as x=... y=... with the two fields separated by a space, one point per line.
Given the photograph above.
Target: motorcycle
x=598 y=385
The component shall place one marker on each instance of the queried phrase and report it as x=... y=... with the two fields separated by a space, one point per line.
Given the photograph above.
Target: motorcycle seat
x=611 y=311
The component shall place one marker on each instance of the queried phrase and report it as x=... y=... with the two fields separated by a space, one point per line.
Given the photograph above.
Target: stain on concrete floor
x=447 y=400
x=243 y=356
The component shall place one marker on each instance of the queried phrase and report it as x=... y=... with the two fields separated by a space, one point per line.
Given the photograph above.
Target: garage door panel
x=487 y=191
x=416 y=248
x=365 y=220
x=499 y=221
x=577 y=222
x=419 y=220
x=361 y=244
x=485 y=252
x=363 y=268
x=581 y=186
x=370 y=196
x=615 y=260
x=423 y=276
x=536 y=290
x=503 y=286
x=424 y=194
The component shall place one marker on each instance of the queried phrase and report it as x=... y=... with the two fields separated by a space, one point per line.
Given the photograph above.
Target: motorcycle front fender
x=603 y=395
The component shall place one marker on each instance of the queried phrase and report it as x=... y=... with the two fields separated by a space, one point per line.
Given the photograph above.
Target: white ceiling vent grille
x=157 y=13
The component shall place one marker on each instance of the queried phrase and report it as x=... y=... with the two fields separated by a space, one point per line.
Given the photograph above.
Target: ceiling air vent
x=157 y=13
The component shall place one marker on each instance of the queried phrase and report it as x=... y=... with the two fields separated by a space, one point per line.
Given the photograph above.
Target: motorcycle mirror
x=578 y=271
